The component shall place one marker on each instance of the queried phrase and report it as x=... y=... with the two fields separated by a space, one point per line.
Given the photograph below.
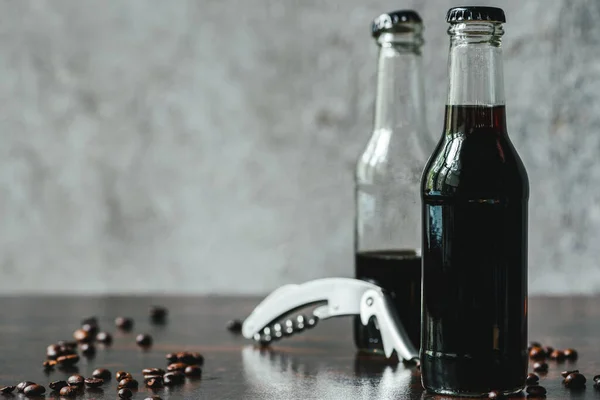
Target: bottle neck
x=475 y=64
x=399 y=102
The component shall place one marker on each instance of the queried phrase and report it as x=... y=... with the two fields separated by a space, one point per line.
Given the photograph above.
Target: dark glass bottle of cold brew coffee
x=475 y=193
x=387 y=237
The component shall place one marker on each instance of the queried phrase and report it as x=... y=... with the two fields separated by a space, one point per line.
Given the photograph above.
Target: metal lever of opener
x=335 y=297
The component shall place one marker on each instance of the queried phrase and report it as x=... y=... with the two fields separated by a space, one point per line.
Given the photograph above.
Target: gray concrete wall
x=208 y=146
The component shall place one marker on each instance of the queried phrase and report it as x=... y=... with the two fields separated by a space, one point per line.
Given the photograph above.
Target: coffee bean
x=493 y=395
x=537 y=353
x=90 y=321
x=69 y=360
x=104 y=338
x=171 y=358
x=153 y=371
x=536 y=390
x=596 y=378
x=128 y=383
x=21 y=386
x=193 y=371
x=49 y=364
x=82 y=336
x=88 y=349
x=564 y=374
x=143 y=340
x=177 y=367
x=571 y=354
x=125 y=393
x=548 y=350
x=57 y=385
x=148 y=377
x=93 y=382
x=532 y=379
x=102 y=373
x=575 y=380
x=174 y=378
x=120 y=375
x=75 y=380
x=235 y=326
x=155 y=383
x=69 y=391
x=534 y=344
x=190 y=358
x=34 y=390
x=7 y=389
x=557 y=355
x=91 y=329
x=124 y=323
x=540 y=367
x=157 y=313
x=52 y=351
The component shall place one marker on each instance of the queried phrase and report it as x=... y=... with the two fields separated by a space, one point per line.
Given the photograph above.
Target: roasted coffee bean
x=157 y=313
x=557 y=355
x=104 y=338
x=235 y=326
x=153 y=371
x=128 y=383
x=21 y=386
x=536 y=390
x=190 y=358
x=571 y=354
x=548 y=350
x=69 y=391
x=82 y=336
x=148 y=377
x=537 y=353
x=69 y=360
x=75 y=380
x=596 y=378
x=124 y=323
x=193 y=371
x=88 y=349
x=532 y=379
x=7 y=389
x=575 y=380
x=174 y=378
x=102 y=373
x=125 y=393
x=143 y=340
x=156 y=383
x=534 y=344
x=178 y=366
x=171 y=358
x=540 y=367
x=93 y=382
x=53 y=351
x=57 y=385
x=120 y=375
x=49 y=364
x=34 y=390
x=91 y=329
x=564 y=374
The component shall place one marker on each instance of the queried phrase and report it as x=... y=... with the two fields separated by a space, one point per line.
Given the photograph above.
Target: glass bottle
x=475 y=195
x=388 y=222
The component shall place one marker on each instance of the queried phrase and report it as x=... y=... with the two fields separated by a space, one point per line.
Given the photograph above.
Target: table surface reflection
x=318 y=364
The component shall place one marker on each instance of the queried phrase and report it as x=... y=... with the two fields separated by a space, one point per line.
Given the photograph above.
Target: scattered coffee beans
x=596 y=378
x=193 y=371
x=548 y=350
x=536 y=391
x=75 y=380
x=93 y=382
x=575 y=380
x=52 y=351
x=90 y=328
x=178 y=366
x=88 y=349
x=68 y=360
x=67 y=344
x=125 y=393
x=235 y=326
x=148 y=377
x=143 y=340
x=171 y=358
x=564 y=374
x=189 y=358
x=21 y=386
x=156 y=383
x=102 y=373
x=158 y=313
x=557 y=355
x=34 y=390
x=128 y=383
x=82 y=336
x=57 y=385
x=7 y=389
x=571 y=354
x=540 y=367
x=532 y=379
x=69 y=391
x=153 y=371
x=120 y=375
x=49 y=364
x=537 y=353
x=534 y=344
x=124 y=323
x=174 y=378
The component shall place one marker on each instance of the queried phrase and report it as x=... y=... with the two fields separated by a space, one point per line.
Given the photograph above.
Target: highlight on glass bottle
x=475 y=195
x=387 y=221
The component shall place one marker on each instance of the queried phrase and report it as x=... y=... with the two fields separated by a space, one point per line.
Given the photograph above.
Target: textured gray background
x=208 y=146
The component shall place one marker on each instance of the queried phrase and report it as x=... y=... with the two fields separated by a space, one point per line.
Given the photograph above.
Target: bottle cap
x=461 y=14
x=394 y=21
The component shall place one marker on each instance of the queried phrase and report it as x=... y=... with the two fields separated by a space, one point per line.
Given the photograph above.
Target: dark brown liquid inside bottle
x=475 y=194
x=399 y=273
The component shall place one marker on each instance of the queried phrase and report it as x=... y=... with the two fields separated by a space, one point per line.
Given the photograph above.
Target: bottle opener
x=333 y=297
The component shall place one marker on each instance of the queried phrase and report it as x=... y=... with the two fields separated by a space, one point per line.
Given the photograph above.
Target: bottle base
x=453 y=393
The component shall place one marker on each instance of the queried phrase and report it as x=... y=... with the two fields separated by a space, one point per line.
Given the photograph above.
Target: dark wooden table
x=318 y=364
